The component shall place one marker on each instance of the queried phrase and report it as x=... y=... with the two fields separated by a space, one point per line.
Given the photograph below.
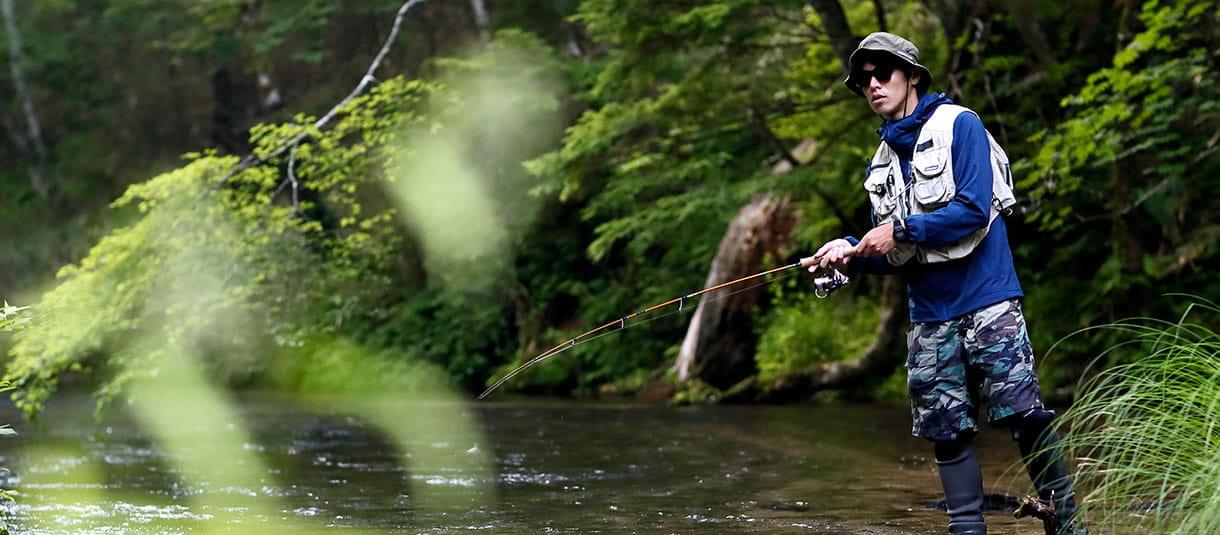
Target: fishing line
x=622 y=323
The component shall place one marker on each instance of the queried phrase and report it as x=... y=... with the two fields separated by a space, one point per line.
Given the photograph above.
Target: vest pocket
x=879 y=185
x=933 y=187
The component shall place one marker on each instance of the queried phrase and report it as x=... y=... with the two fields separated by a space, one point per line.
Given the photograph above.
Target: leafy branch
x=11 y=318
x=253 y=160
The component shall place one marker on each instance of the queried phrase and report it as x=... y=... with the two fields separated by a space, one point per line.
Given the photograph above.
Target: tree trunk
x=719 y=343
x=481 y=20
x=37 y=151
x=954 y=15
x=879 y=10
x=834 y=21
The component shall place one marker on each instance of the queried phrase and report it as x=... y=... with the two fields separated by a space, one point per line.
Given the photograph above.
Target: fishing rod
x=823 y=285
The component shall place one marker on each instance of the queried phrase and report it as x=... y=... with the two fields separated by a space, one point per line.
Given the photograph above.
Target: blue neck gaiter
x=900 y=135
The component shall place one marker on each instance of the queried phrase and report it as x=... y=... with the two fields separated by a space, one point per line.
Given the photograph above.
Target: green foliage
x=803 y=330
x=226 y=263
x=5 y=430
x=342 y=367
x=237 y=267
x=684 y=109
x=1147 y=434
x=150 y=80
x=1133 y=162
x=687 y=102
x=502 y=107
x=457 y=330
x=12 y=318
x=695 y=392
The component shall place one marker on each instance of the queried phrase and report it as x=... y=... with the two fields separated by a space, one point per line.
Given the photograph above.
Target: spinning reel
x=829 y=281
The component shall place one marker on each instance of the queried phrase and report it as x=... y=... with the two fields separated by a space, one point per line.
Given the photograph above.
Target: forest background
x=519 y=172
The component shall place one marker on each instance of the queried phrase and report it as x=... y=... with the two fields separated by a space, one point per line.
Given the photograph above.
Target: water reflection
x=555 y=467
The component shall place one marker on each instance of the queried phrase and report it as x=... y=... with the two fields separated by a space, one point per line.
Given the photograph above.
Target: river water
x=507 y=466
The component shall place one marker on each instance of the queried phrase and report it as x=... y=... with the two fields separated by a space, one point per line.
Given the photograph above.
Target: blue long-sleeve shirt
x=946 y=290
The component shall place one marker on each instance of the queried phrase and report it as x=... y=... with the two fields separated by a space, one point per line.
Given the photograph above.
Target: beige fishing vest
x=931 y=187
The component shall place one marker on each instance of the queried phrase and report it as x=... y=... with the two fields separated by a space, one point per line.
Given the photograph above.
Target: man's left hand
x=878 y=242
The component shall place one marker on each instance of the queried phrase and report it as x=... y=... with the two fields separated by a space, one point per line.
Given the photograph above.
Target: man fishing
x=939 y=185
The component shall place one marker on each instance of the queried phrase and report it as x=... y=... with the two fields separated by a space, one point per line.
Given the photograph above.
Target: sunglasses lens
x=881 y=72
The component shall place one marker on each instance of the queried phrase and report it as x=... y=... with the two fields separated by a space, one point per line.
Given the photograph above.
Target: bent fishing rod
x=823 y=285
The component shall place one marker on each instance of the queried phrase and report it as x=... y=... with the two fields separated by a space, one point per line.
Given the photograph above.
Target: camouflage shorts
x=953 y=366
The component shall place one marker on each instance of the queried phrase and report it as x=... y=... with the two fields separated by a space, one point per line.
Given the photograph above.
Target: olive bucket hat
x=884 y=43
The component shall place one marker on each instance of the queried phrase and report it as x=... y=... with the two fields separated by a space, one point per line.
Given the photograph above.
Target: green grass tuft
x=1146 y=435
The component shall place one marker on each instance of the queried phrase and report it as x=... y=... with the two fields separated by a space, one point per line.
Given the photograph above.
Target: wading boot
x=1056 y=501
x=963 y=483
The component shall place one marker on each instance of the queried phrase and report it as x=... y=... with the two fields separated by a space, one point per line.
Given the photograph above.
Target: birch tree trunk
x=37 y=151
x=481 y=20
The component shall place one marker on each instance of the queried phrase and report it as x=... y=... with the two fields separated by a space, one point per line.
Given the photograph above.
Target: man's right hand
x=836 y=252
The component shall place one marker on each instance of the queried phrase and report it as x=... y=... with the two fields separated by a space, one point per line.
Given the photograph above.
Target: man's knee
x=952 y=450
x=1028 y=426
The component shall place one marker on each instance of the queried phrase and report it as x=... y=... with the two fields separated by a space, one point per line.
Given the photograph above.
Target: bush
x=803 y=330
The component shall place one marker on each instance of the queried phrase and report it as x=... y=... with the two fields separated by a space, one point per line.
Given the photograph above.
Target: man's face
x=886 y=88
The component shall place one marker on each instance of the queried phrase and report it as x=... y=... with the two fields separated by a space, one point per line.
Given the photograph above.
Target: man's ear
x=913 y=77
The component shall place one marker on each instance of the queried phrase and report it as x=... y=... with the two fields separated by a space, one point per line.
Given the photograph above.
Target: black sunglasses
x=881 y=71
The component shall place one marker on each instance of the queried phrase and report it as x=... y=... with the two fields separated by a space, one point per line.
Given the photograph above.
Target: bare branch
x=292 y=177
x=283 y=184
x=251 y=160
x=368 y=75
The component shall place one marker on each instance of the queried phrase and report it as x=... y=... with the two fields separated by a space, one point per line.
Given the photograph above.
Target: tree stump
x=720 y=340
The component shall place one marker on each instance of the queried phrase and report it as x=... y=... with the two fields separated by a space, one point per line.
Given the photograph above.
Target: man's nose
x=873 y=83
